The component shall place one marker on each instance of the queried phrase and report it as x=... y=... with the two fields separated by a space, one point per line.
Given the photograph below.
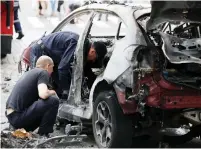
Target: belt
x=9 y=111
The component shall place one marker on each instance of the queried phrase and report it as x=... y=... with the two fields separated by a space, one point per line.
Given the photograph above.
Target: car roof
x=128 y=14
x=119 y=9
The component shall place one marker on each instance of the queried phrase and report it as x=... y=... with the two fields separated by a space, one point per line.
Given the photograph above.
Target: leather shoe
x=20 y=36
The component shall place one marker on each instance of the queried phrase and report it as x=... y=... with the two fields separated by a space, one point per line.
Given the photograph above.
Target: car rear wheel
x=111 y=128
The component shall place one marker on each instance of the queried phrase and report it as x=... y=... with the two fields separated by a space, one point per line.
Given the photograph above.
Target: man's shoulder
x=38 y=71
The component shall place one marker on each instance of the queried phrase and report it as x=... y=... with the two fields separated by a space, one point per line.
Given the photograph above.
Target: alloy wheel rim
x=103 y=124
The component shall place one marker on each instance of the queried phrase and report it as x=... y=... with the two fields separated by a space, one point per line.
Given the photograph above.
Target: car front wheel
x=111 y=128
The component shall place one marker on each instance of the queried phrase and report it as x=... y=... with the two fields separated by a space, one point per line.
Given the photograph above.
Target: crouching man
x=31 y=104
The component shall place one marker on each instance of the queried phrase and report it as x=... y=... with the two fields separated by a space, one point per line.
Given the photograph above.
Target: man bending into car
x=31 y=104
x=60 y=46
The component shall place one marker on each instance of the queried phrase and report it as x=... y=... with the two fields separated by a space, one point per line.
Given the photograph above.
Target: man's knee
x=52 y=100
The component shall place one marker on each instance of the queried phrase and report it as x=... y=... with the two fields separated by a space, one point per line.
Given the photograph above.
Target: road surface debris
x=20 y=138
x=7 y=79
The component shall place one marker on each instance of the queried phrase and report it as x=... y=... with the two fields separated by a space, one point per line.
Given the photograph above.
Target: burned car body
x=144 y=78
x=183 y=49
x=151 y=81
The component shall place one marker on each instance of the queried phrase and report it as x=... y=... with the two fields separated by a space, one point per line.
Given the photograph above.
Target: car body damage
x=121 y=56
x=75 y=88
x=151 y=72
x=180 y=50
x=165 y=11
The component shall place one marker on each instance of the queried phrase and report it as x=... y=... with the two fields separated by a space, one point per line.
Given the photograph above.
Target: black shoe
x=72 y=22
x=20 y=36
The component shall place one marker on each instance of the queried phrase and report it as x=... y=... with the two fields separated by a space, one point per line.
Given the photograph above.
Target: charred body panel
x=167 y=95
x=165 y=11
x=180 y=50
x=124 y=48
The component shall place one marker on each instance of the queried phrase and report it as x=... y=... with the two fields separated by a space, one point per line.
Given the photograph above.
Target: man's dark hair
x=100 y=48
x=101 y=51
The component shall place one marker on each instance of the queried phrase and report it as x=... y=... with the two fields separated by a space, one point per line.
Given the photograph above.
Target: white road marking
x=54 y=21
x=35 y=22
x=80 y=25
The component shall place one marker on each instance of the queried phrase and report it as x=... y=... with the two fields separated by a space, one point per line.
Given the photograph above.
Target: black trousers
x=17 y=24
x=41 y=113
x=40 y=6
x=73 y=7
x=60 y=2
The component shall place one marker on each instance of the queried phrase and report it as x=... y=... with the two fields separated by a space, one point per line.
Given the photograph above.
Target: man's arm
x=90 y=75
x=64 y=68
x=43 y=91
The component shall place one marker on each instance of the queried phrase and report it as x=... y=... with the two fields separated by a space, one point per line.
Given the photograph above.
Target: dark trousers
x=100 y=16
x=17 y=24
x=60 y=3
x=55 y=80
x=73 y=7
x=40 y=5
x=41 y=113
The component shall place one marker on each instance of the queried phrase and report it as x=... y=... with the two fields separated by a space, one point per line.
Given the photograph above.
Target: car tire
x=117 y=129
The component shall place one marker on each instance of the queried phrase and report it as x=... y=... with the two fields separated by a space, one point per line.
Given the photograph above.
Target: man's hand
x=52 y=92
x=44 y=92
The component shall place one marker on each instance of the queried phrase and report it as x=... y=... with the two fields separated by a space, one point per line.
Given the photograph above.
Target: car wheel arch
x=101 y=87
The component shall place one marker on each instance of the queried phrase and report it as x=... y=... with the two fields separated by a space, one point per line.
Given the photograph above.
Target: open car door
x=74 y=97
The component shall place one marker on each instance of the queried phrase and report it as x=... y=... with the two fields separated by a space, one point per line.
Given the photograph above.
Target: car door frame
x=74 y=96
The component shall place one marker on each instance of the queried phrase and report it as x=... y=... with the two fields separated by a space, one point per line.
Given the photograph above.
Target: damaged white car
x=100 y=103
x=151 y=81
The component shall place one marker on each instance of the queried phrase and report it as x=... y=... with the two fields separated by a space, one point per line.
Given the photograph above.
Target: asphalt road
x=33 y=28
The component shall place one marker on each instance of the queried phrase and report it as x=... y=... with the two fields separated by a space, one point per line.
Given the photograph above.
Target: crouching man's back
x=31 y=104
x=25 y=92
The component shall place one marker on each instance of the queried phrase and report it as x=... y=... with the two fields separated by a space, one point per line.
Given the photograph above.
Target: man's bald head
x=43 y=61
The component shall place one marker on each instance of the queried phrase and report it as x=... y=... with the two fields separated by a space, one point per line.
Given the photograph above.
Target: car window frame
x=69 y=18
x=120 y=21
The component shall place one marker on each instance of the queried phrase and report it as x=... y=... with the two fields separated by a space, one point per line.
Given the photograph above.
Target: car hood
x=165 y=11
